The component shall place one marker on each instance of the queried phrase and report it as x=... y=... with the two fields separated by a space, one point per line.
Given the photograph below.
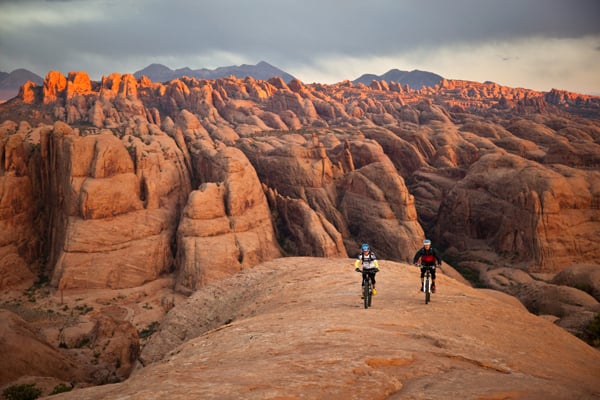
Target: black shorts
x=370 y=274
x=431 y=268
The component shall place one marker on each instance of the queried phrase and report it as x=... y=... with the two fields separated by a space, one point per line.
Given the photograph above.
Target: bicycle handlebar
x=367 y=270
x=430 y=266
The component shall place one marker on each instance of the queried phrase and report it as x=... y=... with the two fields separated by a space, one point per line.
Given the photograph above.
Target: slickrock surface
x=298 y=330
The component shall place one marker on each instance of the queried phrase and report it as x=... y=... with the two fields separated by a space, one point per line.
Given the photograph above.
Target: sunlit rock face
x=484 y=170
x=116 y=202
x=135 y=194
x=226 y=224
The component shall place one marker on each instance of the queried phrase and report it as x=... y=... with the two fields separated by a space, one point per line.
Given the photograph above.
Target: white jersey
x=367 y=262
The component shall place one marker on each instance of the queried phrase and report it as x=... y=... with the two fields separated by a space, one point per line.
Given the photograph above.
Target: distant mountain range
x=260 y=71
x=414 y=79
x=11 y=82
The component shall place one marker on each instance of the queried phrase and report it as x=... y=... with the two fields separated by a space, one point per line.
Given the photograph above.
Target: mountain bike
x=427 y=283
x=367 y=286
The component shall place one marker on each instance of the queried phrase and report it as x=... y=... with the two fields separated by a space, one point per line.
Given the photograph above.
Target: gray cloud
x=103 y=36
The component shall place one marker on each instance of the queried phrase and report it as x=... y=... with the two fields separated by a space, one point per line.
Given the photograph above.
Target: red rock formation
x=98 y=187
x=117 y=344
x=112 y=184
x=524 y=211
x=19 y=240
x=28 y=92
x=54 y=86
x=226 y=224
x=229 y=108
x=78 y=83
x=24 y=353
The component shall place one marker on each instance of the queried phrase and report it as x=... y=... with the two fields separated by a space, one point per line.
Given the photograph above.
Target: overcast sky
x=536 y=44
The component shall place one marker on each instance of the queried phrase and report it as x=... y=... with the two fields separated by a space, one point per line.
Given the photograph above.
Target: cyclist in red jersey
x=427 y=257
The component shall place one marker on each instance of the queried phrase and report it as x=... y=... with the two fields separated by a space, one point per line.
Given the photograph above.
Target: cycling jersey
x=368 y=262
x=428 y=257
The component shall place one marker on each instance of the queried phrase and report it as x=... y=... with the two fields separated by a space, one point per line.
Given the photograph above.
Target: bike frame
x=367 y=287
x=427 y=285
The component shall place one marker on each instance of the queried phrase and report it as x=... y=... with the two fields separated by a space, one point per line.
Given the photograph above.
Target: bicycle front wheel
x=367 y=294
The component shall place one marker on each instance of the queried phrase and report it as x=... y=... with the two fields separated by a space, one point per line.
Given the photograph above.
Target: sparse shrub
x=147 y=332
x=22 y=392
x=83 y=342
x=61 y=388
x=84 y=309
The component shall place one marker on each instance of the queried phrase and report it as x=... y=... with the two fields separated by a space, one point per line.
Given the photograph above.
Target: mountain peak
x=415 y=79
x=260 y=71
x=11 y=82
x=157 y=66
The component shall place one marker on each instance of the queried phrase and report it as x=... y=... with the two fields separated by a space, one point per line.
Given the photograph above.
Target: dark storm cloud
x=297 y=28
x=102 y=36
x=347 y=26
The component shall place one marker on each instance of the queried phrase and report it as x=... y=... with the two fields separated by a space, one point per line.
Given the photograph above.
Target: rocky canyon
x=196 y=236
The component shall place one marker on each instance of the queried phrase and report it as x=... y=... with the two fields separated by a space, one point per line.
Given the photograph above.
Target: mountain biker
x=369 y=263
x=427 y=257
